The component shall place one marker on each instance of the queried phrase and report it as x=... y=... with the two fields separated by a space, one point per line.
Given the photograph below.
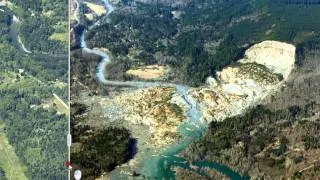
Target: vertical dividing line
x=69 y=85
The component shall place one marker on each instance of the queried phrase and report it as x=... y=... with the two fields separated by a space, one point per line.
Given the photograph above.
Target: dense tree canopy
x=208 y=35
x=27 y=81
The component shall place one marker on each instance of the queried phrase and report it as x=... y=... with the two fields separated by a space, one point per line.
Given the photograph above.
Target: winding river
x=161 y=166
x=14 y=34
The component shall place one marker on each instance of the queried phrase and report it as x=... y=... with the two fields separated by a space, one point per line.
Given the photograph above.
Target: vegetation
x=4 y=29
x=2 y=174
x=37 y=133
x=252 y=138
x=311 y=141
x=10 y=166
x=83 y=69
x=112 y=146
x=277 y=139
x=47 y=23
x=208 y=36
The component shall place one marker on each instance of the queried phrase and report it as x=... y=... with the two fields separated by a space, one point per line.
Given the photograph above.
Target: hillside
x=278 y=138
x=198 y=39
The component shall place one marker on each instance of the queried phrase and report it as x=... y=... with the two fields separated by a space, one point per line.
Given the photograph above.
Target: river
x=14 y=34
x=161 y=166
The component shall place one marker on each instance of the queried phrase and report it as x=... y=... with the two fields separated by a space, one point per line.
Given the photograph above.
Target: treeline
x=2 y=174
x=141 y=30
x=36 y=33
x=5 y=20
x=46 y=20
x=237 y=141
x=152 y=30
x=83 y=69
x=208 y=36
x=44 y=67
x=222 y=135
x=263 y=140
x=38 y=135
x=113 y=146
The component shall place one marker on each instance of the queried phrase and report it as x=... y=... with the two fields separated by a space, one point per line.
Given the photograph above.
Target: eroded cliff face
x=263 y=69
x=276 y=56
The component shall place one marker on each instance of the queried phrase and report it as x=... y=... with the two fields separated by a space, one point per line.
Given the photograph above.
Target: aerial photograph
x=190 y=89
x=33 y=89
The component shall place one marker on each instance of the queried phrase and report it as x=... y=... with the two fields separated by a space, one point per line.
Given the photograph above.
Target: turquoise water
x=161 y=167
x=165 y=165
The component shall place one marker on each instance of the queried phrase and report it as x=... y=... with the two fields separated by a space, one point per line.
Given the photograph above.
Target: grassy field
x=12 y=80
x=60 y=33
x=8 y=160
x=63 y=37
x=98 y=9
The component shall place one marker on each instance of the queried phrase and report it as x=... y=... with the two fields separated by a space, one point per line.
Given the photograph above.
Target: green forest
x=33 y=125
x=2 y=174
x=113 y=146
x=279 y=137
x=45 y=25
x=206 y=37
